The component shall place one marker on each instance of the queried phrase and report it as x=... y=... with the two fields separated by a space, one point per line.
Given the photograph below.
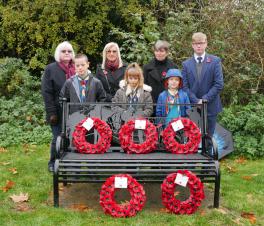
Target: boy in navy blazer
x=203 y=79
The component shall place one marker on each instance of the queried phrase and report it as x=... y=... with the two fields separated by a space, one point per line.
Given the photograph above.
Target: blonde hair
x=106 y=48
x=60 y=47
x=134 y=70
x=198 y=37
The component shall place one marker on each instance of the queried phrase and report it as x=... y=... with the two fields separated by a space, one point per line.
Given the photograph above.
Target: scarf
x=68 y=69
x=112 y=65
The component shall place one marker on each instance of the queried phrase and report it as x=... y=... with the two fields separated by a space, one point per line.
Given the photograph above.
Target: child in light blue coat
x=168 y=100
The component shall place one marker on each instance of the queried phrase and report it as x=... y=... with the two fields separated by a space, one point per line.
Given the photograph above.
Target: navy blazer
x=210 y=84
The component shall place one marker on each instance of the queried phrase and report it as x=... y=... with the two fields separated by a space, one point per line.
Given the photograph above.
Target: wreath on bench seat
x=188 y=206
x=128 y=209
x=126 y=139
x=191 y=130
x=104 y=141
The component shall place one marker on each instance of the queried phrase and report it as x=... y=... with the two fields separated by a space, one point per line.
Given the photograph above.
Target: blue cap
x=173 y=73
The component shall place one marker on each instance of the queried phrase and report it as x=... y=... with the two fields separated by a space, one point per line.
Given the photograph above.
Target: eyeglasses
x=68 y=51
x=111 y=51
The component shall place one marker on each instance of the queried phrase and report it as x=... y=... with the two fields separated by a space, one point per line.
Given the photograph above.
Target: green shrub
x=22 y=111
x=247 y=125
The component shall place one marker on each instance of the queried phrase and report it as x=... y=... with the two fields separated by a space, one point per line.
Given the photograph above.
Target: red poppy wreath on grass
x=126 y=139
x=128 y=209
x=188 y=206
x=191 y=131
x=104 y=141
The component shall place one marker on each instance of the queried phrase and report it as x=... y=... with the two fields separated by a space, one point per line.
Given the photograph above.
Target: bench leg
x=55 y=190
x=217 y=190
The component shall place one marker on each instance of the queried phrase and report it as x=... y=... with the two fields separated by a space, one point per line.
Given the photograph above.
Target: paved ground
x=88 y=195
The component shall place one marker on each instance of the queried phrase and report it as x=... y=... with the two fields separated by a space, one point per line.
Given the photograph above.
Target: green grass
x=242 y=190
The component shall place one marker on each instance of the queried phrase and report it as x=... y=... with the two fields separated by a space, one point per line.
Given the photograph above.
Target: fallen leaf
x=164 y=210
x=247 y=178
x=250 y=216
x=237 y=221
x=9 y=185
x=241 y=160
x=2 y=150
x=5 y=163
x=254 y=175
x=202 y=212
x=79 y=207
x=29 y=118
x=221 y=210
x=19 y=198
x=23 y=207
x=13 y=170
x=231 y=169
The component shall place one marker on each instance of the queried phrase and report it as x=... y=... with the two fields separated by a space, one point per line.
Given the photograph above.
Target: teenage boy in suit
x=203 y=79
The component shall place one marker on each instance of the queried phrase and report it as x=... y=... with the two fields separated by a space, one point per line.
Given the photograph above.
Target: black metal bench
x=72 y=167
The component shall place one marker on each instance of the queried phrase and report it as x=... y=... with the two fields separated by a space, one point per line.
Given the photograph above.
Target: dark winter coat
x=52 y=81
x=154 y=72
x=95 y=92
x=110 y=80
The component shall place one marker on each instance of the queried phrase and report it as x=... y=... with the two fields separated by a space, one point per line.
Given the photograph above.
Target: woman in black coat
x=156 y=69
x=53 y=80
x=111 y=71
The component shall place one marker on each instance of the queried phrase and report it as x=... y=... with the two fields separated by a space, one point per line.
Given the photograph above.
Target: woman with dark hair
x=156 y=69
x=111 y=71
x=53 y=80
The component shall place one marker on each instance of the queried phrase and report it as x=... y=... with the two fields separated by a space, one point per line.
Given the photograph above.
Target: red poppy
x=105 y=72
x=188 y=206
x=128 y=209
x=126 y=139
x=208 y=60
x=104 y=141
x=163 y=73
x=191 y=131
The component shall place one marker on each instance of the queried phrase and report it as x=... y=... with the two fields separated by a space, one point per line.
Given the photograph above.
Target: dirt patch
x=88 y=195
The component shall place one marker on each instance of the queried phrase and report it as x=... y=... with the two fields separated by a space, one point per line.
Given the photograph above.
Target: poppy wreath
x=126 y=139
x=188 y=206
x=191 y=130
x=104 y=141
x=128 y=209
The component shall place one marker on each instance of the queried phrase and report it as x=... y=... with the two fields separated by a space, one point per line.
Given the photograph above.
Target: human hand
x=53 y=120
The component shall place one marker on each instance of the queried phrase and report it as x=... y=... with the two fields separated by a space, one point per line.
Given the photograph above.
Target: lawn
x=24 y=170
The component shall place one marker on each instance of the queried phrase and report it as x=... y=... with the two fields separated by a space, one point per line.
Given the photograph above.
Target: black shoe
x=51 y=168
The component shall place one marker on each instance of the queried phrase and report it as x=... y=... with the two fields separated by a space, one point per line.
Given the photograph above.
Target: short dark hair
x=81 y=55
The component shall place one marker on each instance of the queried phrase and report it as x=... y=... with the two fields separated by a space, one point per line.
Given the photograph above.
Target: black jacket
x=52 y=81
x=110 y=80
x=154 y=72
x=94 y=93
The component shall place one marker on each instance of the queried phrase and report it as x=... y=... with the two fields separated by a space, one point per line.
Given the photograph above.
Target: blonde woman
x=112 y=70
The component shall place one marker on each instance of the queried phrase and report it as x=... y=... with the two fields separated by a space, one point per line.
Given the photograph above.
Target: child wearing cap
x=168 y=100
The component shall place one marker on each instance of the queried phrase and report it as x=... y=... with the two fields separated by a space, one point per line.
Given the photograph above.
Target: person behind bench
x=83 y=87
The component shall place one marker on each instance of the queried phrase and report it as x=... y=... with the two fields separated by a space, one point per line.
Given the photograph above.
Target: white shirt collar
x=195 y=57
